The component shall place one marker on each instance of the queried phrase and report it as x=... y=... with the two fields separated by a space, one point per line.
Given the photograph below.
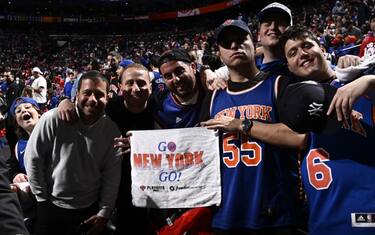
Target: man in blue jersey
x=180 y=105
x=259 y=188
x=339 y=168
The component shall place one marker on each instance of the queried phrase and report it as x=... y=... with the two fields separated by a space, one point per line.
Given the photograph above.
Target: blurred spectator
x=368 y=44
x=363 y=12
x=39 y=86
x=13 y=90
x=69 y=84
x=338 y=9
x=353 y=30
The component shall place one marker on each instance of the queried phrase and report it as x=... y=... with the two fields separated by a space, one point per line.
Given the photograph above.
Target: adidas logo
x=361 y=219
x=178 y=119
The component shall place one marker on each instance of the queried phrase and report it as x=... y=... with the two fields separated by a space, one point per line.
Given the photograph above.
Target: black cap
x=372 y=16
x=231 y=23
x=174 y=54
x=277 y=9
x=303 y=107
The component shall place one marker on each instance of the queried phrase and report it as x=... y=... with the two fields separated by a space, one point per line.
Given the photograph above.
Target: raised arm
x=347 y=95
x=216 y=79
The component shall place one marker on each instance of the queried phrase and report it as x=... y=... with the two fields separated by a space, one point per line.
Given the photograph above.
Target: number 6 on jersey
x=320 y=175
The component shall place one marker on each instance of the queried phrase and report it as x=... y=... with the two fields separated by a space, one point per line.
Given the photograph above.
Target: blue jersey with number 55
x=259 y=181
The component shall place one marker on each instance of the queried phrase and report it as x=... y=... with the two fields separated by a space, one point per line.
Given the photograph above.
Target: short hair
x=296 y=33
x=154 y=61
x=94 y=76
x=116 y=55
x=136 y=66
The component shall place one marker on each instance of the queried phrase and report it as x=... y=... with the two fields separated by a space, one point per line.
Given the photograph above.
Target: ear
x=76 y=97
x=193 y=67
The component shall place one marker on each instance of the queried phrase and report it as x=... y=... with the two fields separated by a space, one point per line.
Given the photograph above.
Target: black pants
x=51 y=219
x=11 y=136
x=133 y=219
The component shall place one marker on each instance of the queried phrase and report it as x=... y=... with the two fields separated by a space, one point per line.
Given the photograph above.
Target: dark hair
x=296 y=33
x=136 y=66
x=154 y=61
x=94 y=76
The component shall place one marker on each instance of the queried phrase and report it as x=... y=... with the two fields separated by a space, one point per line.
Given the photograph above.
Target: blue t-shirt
x=21 y=146
x=276 y=67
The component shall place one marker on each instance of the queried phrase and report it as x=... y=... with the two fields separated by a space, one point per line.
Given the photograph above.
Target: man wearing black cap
x=259 y=191
x=180 y=106
x=338 y=168
x=273 y=21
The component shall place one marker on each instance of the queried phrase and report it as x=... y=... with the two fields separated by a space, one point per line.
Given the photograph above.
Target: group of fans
x=280 y=136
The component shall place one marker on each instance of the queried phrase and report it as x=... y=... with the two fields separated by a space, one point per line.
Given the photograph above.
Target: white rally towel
x=175 y=168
